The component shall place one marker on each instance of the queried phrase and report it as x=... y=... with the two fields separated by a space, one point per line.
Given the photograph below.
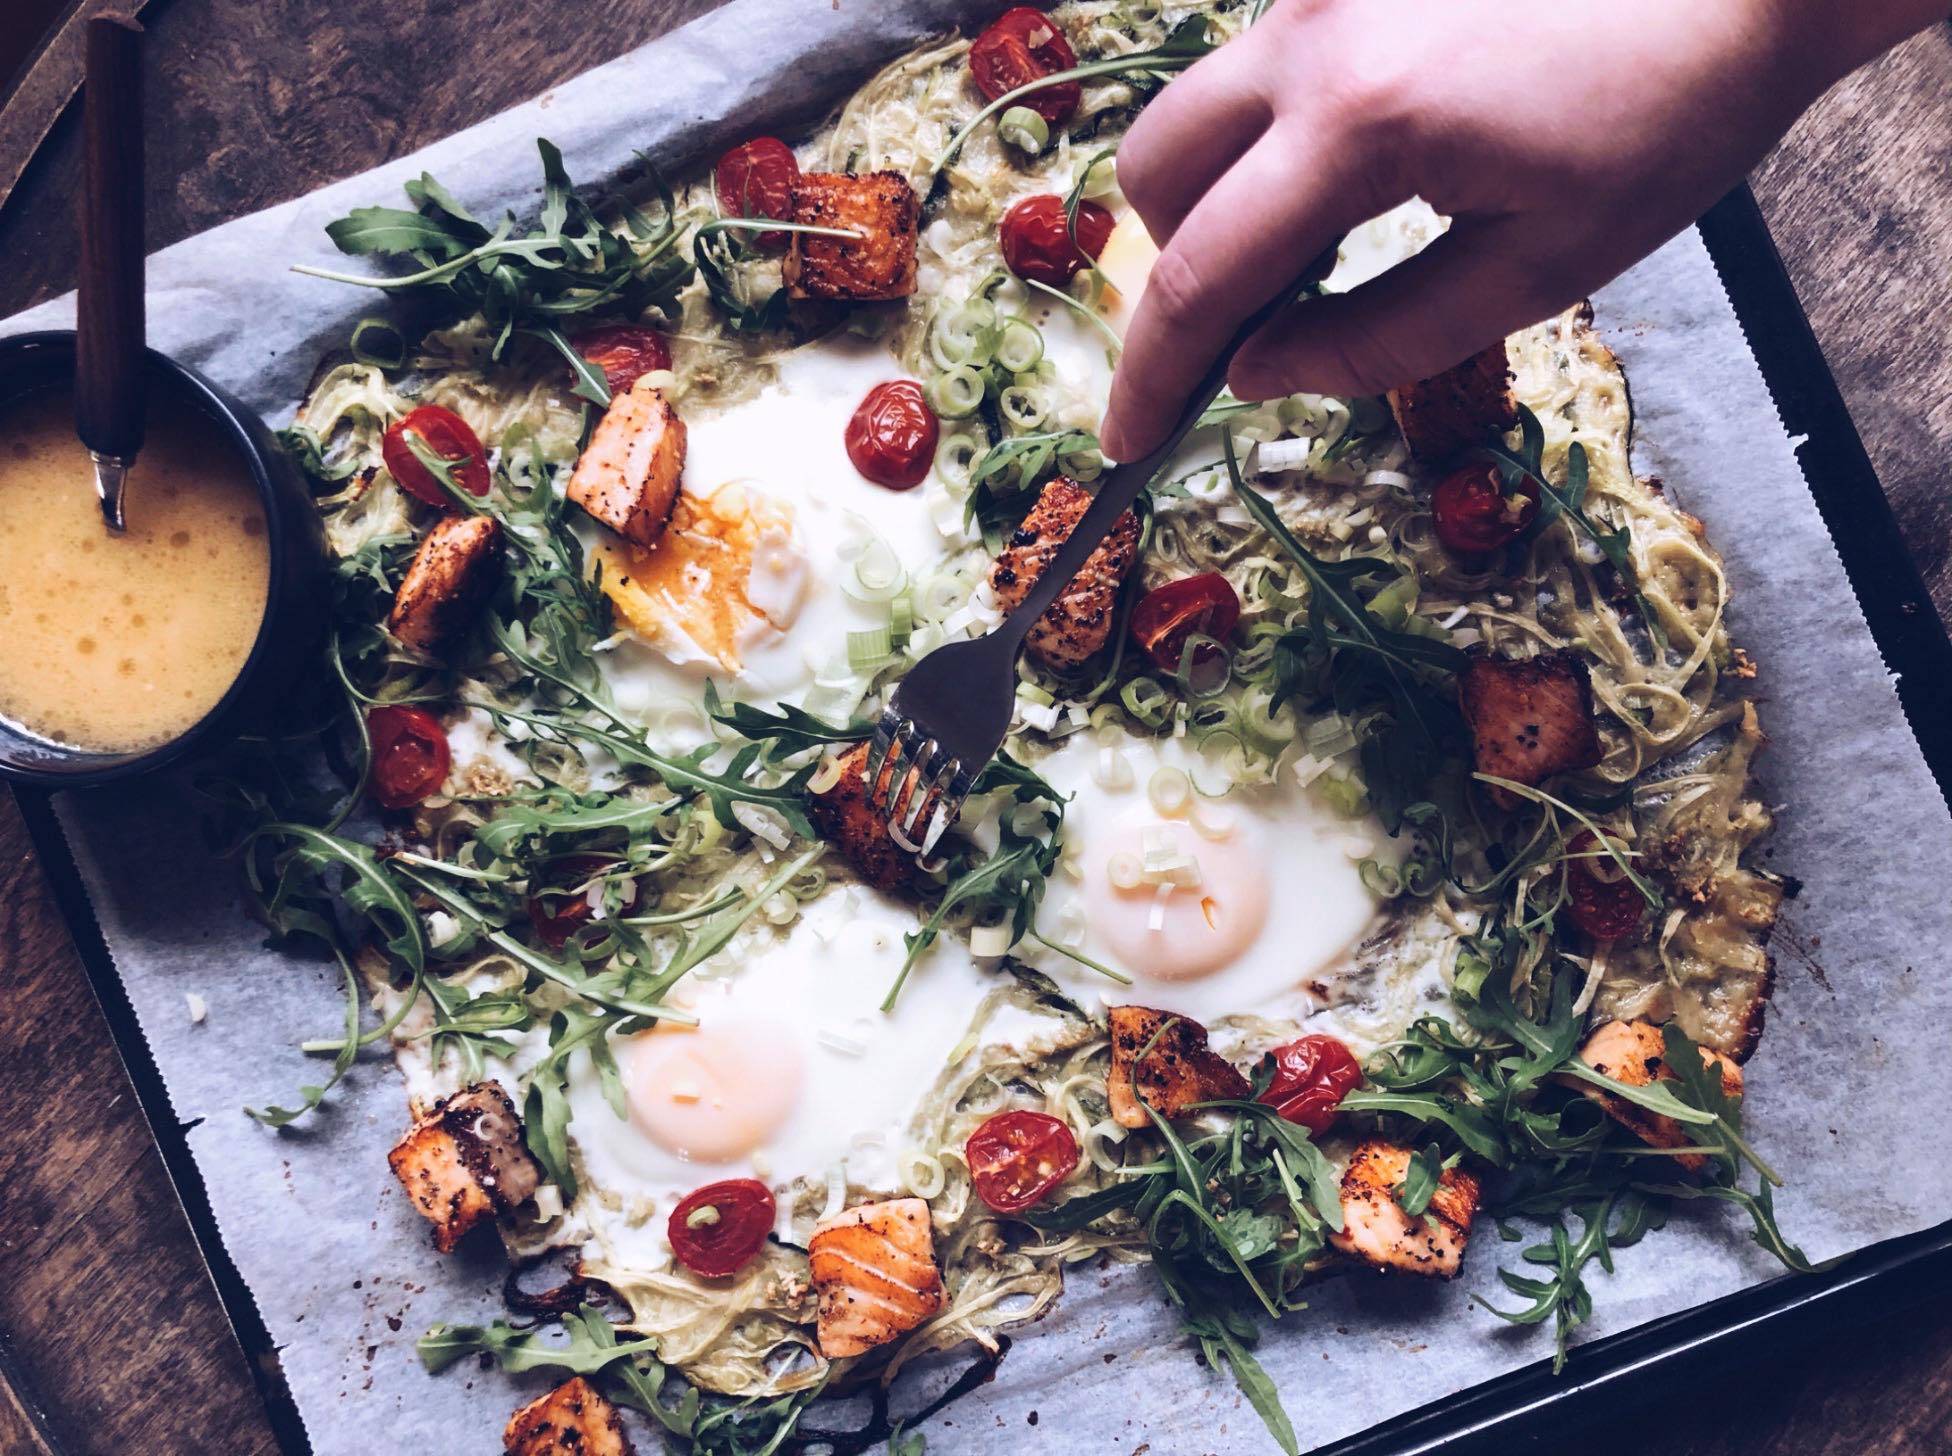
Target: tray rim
x=1508 y=1413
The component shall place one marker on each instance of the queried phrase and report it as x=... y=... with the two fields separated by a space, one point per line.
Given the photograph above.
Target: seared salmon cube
x=1179 y=1070
x=876 y=264
x=465 y=1161
x=1635 y=1053
x=1530 y=717
x=874 y=1275
x=627 y=476
x=1080 y=621
x=847 y=817
x=1469 y=404
x=1375 y=1228
x=449 y=578
x=574 y=1419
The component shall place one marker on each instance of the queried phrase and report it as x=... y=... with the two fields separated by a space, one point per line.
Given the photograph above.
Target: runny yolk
x=712 y=1094
x=1180 y=933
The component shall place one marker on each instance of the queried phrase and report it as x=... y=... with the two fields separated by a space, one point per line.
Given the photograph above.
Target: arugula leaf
x=791 y=730
x=592 y=1345
x=1395 y=686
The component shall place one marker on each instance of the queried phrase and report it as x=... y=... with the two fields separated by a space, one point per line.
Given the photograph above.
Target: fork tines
x=923 y=784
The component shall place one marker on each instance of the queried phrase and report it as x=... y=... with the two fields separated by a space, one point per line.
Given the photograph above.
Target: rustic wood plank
x=112 y=1319
x=109 y=1313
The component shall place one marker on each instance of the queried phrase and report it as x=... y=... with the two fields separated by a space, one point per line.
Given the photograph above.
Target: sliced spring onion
x=1393 y=603
x=967 y=336
x=1024 y=129
x=1383 y=881
x=992 y=940
x=825 y=776
x=1024 y=408
x=377 y=342
x=1019 y=347
x=1145 y=700
x=1328 y=736
x=955 y=455
x=957 y=393
x=1083 y=463
x=876 y=575
x=1270 y=457
x=1169 y=791
x=1125 y=870
x=901 y=618
x=923 y=1173
x=1345 y=795
x=1099 y=178
x=869 y=648
x=1112 y=771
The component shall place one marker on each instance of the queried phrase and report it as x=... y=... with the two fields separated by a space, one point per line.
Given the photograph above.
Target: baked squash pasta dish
x=1368 y=871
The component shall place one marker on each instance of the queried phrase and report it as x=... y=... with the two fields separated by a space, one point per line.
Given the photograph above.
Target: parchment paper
x=340 y=1265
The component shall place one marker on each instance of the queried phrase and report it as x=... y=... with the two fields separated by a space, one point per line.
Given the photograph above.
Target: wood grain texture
x=104 y=1303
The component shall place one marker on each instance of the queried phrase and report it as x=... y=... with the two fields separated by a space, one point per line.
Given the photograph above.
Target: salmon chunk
x=1179 y=1071
x=1530 y=717
x=449 y=578
x=627 y=476
x=1376 y=1230
x=1635 y=1052
x=574 y=1419
x=874 y=1275
x=847 y=818
x=1470 y=404
x=465 y=1161
x=877 y=264
x=1080 y=620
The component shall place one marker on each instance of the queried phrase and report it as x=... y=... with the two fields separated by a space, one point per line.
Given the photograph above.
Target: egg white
x=1280 y=865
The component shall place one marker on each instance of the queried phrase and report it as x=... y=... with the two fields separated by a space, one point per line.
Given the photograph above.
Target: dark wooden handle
x=109 y=322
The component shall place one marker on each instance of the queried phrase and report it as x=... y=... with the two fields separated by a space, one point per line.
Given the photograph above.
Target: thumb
x=1477 y=283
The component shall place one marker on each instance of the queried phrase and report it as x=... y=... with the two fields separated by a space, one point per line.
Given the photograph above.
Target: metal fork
x=951 y=712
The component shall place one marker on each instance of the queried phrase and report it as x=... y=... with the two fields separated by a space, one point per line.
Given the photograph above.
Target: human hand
x=1565 y=138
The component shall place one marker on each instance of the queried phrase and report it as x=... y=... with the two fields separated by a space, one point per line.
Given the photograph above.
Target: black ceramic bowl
x=295 y=609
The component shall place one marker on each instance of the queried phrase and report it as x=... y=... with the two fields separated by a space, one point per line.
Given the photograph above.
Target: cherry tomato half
x=893 y=435
x=1474 y=515
x=558 y=910
x=755 y=179
x=1311 y=1077
x=1016 y=1158
x=1024 y=45
x=1603 y=907
x=410 y=755
x=1166 y=616
x=447 y=435
x=624 y=352
x=715 y=1230
x=1036 y=239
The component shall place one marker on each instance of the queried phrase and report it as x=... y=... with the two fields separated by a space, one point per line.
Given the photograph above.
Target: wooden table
x=110 y=1329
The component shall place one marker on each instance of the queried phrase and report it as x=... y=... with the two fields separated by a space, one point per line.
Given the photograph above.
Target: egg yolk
x=1184 y=930
x=711 y=1094
x=724 y=574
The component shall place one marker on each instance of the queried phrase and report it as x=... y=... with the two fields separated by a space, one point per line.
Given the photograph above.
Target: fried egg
x=1244 y=904
x=749 y=584
x=793 y=1071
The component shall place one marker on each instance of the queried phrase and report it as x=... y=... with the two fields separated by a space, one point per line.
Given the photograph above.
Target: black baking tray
x=1527 y=1408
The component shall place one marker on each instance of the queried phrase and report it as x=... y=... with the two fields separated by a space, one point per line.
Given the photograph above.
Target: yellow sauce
x=119 y=643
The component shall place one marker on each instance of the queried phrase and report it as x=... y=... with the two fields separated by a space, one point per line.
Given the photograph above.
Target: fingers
x=1246 y=240
x=1188 y=137
x=1478 y=283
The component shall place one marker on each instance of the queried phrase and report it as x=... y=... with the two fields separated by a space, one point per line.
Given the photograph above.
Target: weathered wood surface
x=106 y=1312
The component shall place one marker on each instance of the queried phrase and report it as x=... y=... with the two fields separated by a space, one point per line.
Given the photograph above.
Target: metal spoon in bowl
x=109 y=397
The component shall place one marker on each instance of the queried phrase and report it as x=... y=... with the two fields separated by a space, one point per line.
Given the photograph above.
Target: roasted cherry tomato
x=1204 y=605
x=716 y=1230
x=1036 y=239
x=447 y=435
x=755 y=179
x=893 y=435
x=624 y=352
x=1311 y=1077
x=558 y=911
x=1016 y=1158
x=1024 y=45
x=410 y=756
x=1603 y=907
x=1474 y=515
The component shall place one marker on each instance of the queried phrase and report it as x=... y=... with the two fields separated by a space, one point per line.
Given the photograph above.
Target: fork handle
x=1122 y=486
